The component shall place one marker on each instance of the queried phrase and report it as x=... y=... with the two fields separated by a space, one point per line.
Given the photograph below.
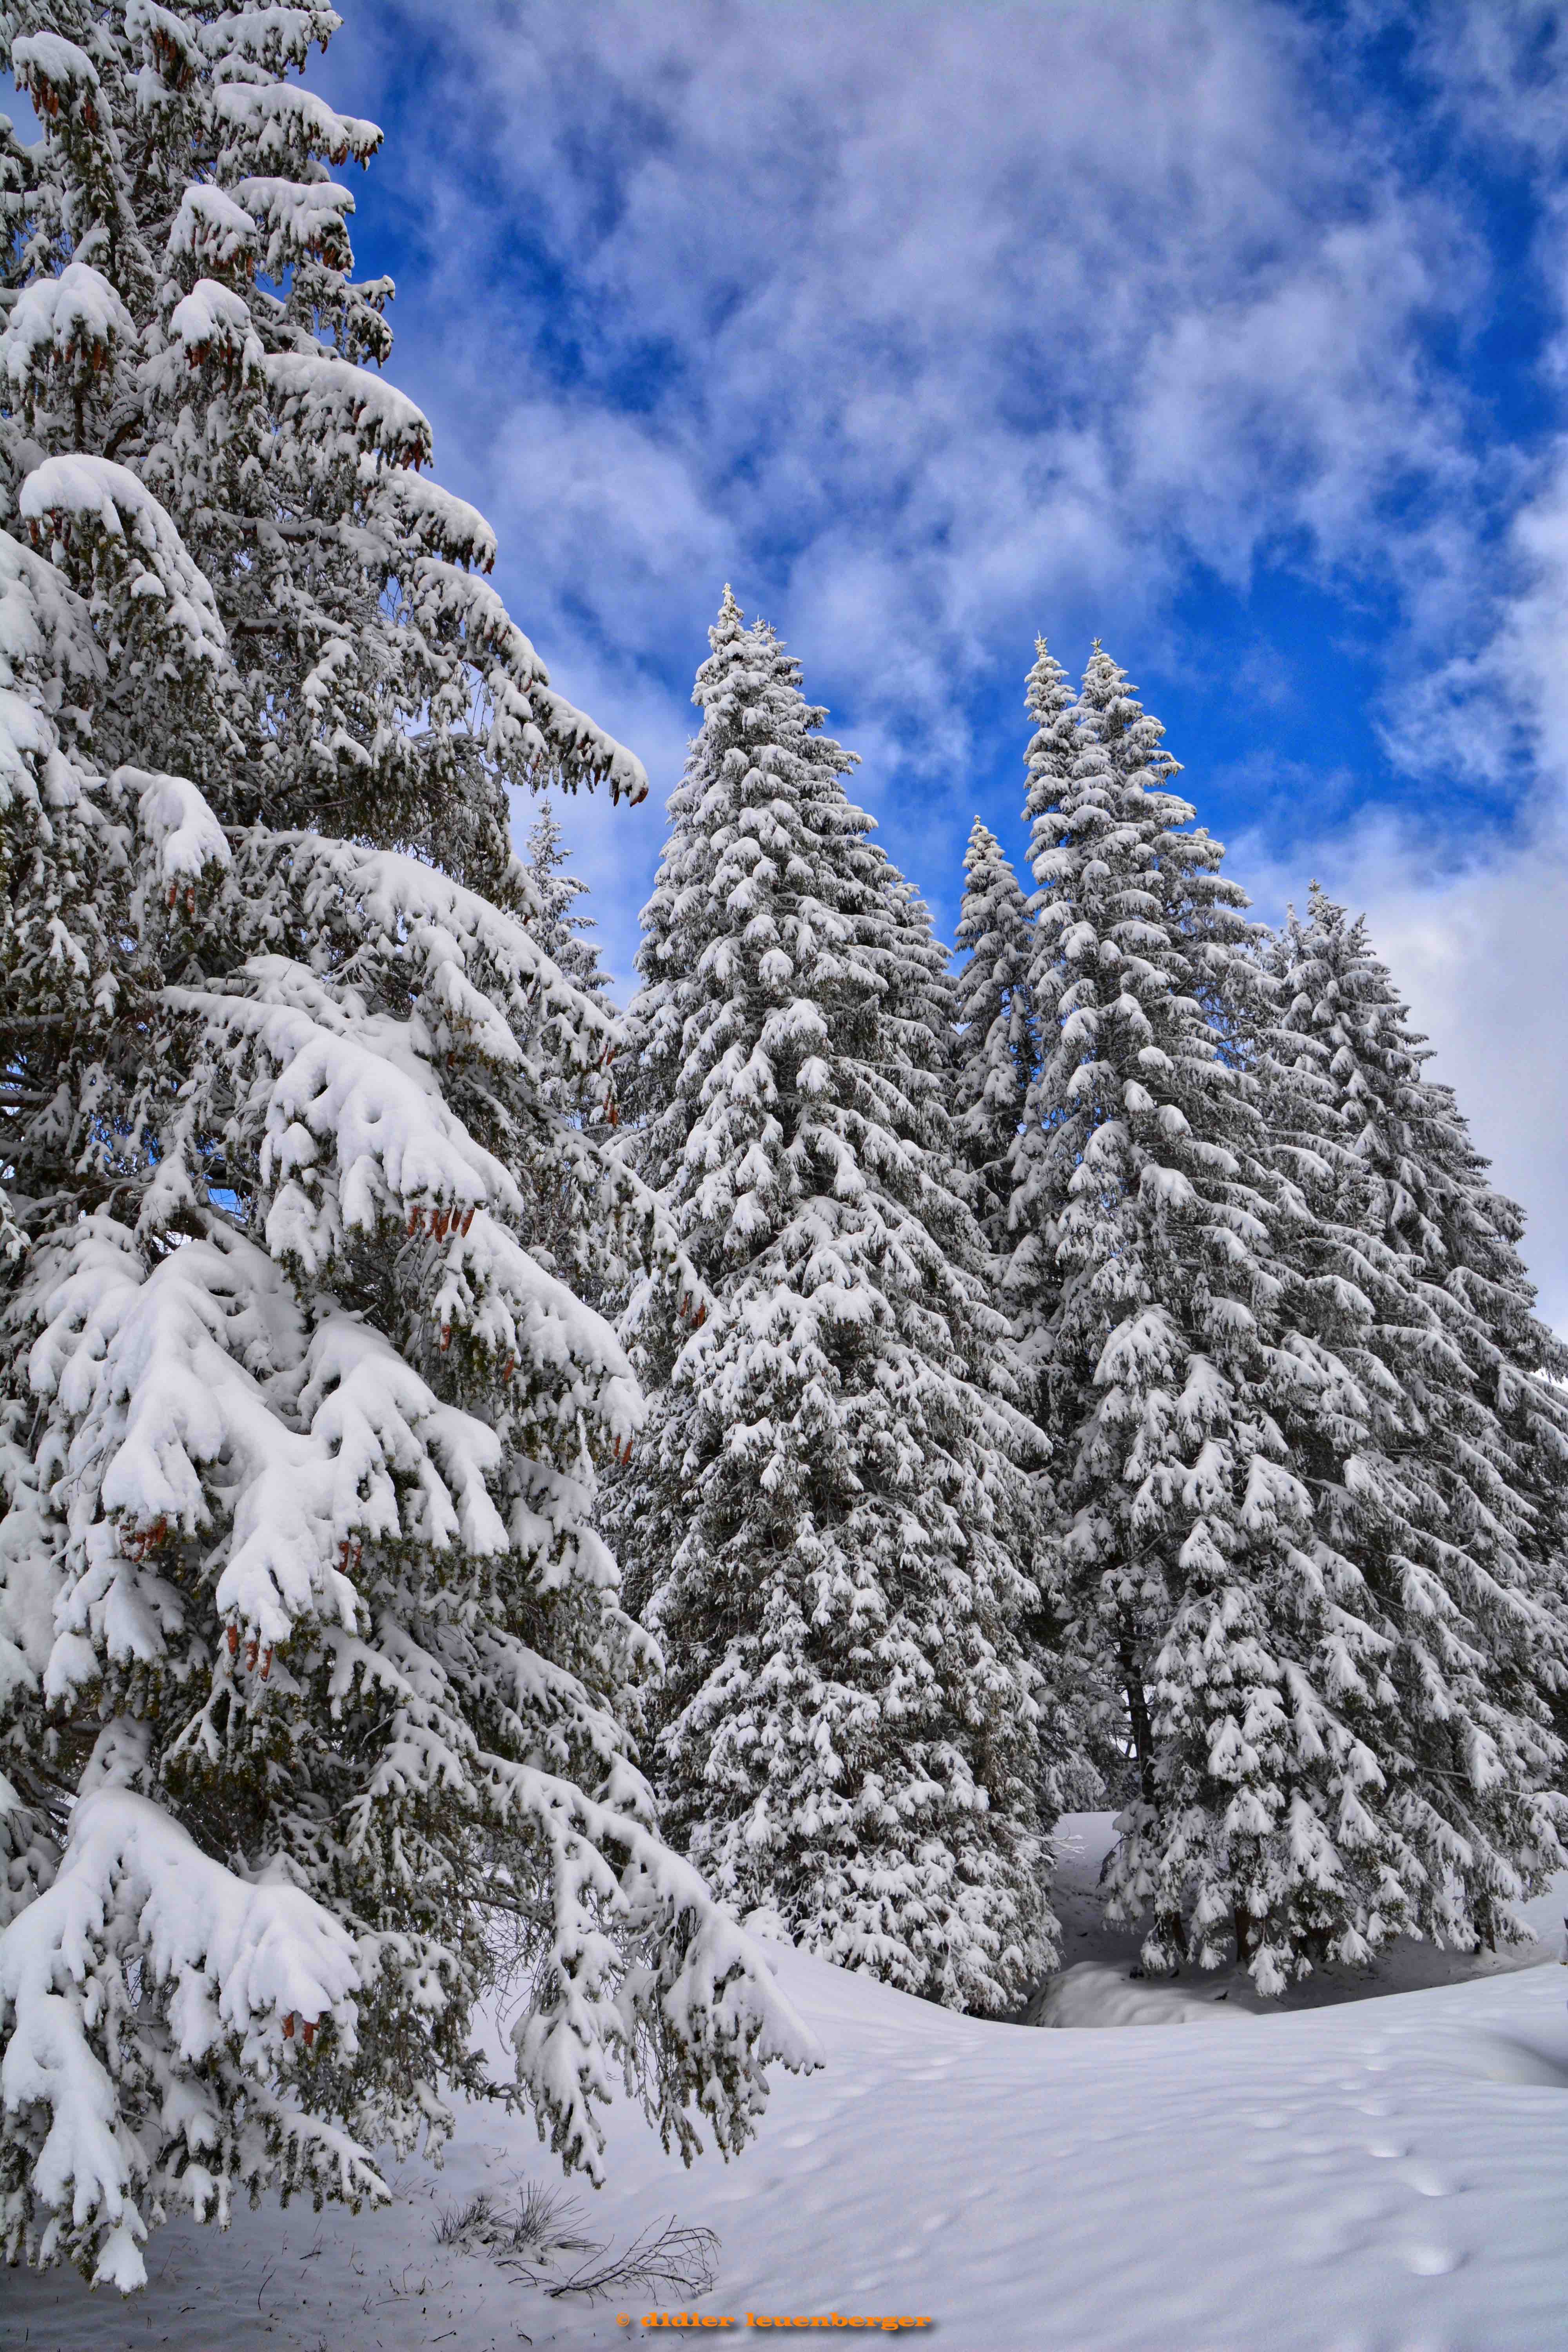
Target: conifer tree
x=998 y=1050
x=1049 y=761
x=1139 y=1218
x=1222 y=1427
x=312 y=1675
x=560 y=930
x=553 y=1222
x=920 y=998
x=824 y=1512
x=1455 y=1516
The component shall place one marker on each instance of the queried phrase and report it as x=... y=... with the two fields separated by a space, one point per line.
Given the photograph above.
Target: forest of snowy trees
x=1119 y=1382
x=497 y=1486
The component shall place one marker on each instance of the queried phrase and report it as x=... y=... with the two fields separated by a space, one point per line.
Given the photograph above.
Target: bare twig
x=681 y=2258
x=530 y=2238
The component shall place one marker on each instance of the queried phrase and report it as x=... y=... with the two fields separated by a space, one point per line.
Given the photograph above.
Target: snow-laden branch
x=73 y=323
x=187 y=837
x=472 y=957
x=279 y=124
x=530 y=720
x=704 y=1989
x=114 y=508
x=233 y=1971
x=503 y=1300
x=333 y=408
x=349 y=1095
x=173 y=1433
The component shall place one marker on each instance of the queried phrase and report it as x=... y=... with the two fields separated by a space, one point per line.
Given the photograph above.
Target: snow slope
x=1384 y=2174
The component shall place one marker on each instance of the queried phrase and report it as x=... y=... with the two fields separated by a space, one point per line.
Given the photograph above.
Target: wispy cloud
x=929 y=326
x=933 y=322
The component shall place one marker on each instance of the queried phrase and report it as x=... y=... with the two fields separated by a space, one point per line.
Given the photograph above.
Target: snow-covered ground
x=1385 y=2173
x=1094 y=1986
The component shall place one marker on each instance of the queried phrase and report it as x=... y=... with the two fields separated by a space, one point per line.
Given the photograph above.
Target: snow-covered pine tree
x=553 y=1222
x=1093 y=1733
x=1454 y=1507
x=822 y=1514
x=998 y=1050
x=1206 y=1386
x=1027 y=1277
x=562 y=931
x=310 y=1653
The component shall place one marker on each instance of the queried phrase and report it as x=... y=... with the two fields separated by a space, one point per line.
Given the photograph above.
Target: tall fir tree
x=560 y=930
x=998 y=1050
x=1457 y=1514
x=1203 y=1369
x=1049 y=760
x=312 y=1667
x=823 y=1514
x=554 y=1224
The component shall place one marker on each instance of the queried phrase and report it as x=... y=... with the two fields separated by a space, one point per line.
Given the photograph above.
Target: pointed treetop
x=1048 y=698
x=726 y=635
x=1108 y=708
x=1046 y=690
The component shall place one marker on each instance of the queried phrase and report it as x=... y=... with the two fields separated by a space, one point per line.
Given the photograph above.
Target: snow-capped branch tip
x=233 y=1971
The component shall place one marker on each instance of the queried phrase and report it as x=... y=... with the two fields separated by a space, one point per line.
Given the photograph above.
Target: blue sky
x=1233 y=333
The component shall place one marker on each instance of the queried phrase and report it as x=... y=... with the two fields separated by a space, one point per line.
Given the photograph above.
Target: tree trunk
x=1138 y=1718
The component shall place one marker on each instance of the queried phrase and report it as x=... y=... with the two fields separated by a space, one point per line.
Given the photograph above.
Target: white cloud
x=1479 y=951
x=1001 y=313
x=930 y=326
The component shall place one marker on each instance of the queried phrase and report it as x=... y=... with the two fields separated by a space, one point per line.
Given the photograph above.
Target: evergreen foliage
x=998 y=1049
x=560 y=930
x=823 y=1514
x=319 y=1701
x=313 y=1673
x=1226 y=1436
x=1452 y=1506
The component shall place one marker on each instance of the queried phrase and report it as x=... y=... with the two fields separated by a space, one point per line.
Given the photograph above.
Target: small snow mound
x=1506 y=2058
x=1093 y=1993
x=767 y=1924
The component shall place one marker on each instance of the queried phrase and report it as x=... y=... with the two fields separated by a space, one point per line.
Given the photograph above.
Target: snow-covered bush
x=311 y=1656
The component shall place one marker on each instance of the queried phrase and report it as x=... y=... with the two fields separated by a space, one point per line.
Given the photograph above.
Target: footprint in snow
x=1429 y=2261
x=1427 y=2180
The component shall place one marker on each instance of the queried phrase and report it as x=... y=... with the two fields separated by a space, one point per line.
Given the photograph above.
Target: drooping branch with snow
x=310 y=1650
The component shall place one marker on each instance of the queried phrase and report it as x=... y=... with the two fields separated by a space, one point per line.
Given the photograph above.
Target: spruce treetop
x=559 y=928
